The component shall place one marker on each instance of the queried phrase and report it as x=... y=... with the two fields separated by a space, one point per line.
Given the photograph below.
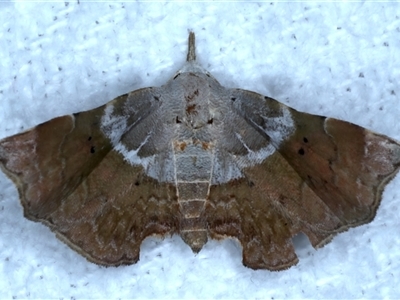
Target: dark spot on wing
x=182 y=146
x=210 y=121
x=233 y=99
x=305 y=140
x=89 y=138
x=301 y=151
x=92 y=149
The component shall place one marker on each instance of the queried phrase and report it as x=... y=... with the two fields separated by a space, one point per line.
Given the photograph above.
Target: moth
x=196 y=159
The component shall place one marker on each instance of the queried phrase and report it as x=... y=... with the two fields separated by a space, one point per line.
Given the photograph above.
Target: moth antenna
x=191 y=56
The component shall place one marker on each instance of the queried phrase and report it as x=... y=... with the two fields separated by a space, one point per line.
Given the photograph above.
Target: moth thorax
x=196 y=102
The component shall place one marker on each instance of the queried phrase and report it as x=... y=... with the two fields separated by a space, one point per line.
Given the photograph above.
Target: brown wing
x=70 y=178
x=326 y=177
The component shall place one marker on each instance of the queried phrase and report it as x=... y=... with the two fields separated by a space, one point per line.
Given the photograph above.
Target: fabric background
x=335 y=59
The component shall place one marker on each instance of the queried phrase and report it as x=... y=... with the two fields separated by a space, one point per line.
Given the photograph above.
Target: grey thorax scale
x=192 y=129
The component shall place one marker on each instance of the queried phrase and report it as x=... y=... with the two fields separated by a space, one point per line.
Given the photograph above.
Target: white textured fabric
x=336 y=59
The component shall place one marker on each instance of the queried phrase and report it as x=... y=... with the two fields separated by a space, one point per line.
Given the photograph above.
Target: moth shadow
x=226 y=250
x=302 y=245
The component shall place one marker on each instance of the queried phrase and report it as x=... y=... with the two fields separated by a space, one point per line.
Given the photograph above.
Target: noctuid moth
x=196 y=159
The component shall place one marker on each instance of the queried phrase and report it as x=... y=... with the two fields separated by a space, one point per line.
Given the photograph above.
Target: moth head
x=195 y=68
x=191 y=65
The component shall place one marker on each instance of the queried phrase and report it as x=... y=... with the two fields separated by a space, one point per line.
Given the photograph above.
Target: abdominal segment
x=193 y=169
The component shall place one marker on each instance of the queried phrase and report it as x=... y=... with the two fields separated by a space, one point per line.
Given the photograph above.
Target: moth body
x=203 y=161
